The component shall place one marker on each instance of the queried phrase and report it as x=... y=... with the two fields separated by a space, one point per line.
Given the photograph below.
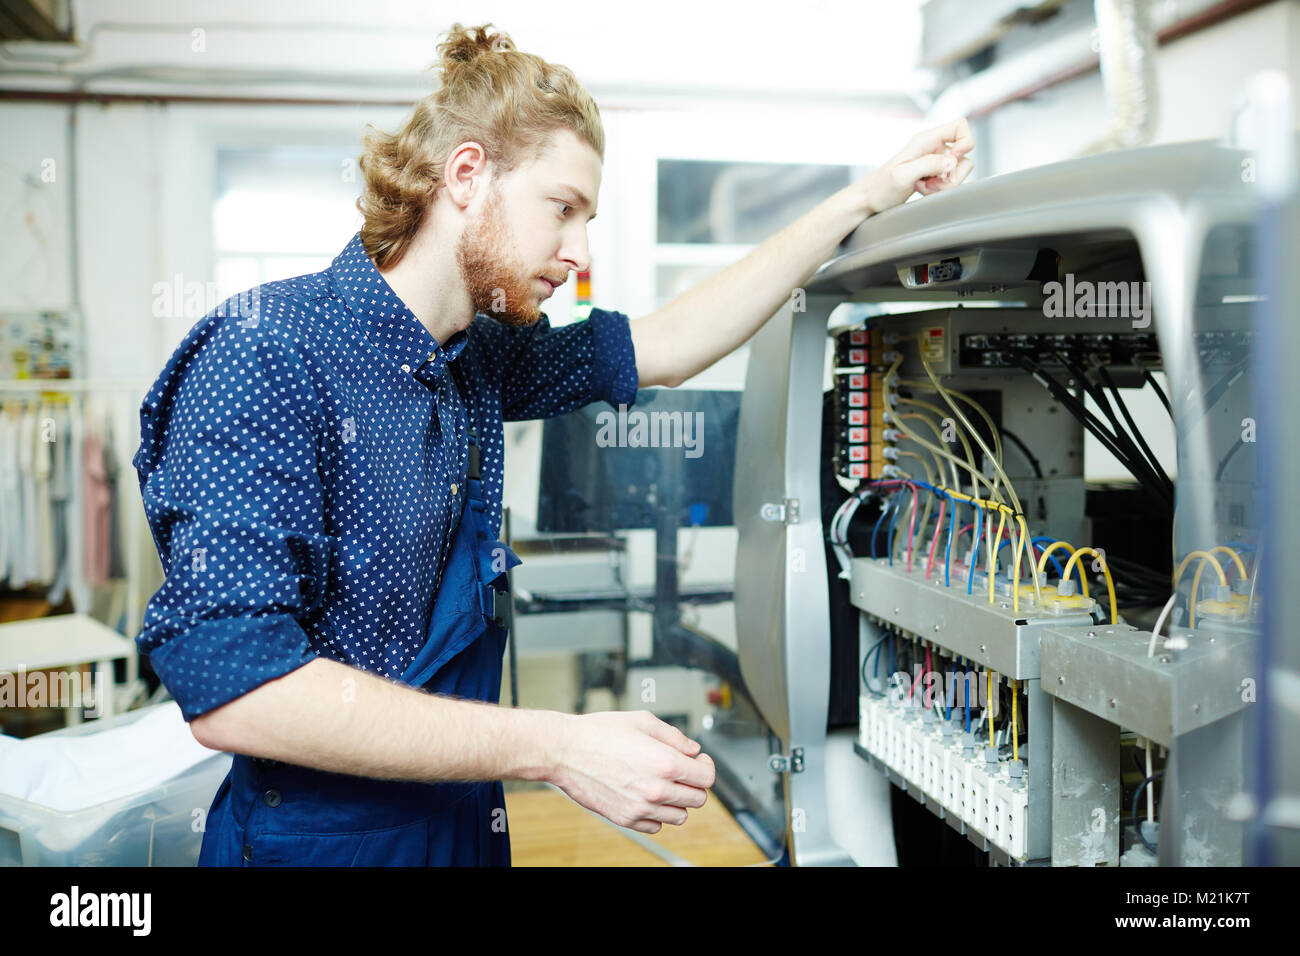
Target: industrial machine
x=1064 y=672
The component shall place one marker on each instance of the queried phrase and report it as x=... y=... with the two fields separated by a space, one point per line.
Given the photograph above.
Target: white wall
x=1198 y=79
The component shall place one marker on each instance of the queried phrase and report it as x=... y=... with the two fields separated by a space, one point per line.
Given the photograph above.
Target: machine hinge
x=780 y=763
x=786 y=512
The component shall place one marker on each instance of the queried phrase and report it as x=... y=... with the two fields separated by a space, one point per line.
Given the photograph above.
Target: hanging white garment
x=8 y=490
x=82 y=595
x=25 y=567
x=43 y=467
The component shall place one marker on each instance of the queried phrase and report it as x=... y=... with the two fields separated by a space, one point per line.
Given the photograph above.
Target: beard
x=493 y=275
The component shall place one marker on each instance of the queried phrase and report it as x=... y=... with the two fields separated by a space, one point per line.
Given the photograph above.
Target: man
x=322 y=470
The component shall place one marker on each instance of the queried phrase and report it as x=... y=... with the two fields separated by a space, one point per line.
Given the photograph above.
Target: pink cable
x=911 y=526
x=938 y=526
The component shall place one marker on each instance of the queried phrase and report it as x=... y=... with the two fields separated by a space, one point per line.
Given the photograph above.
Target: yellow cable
x=1027 y=544
x=990 y=701
x=997 y=439
x=1236 y=558
x=1105 y=570
x=894 y=420
x=995 y=548
x=1016 y=546
x=943 y=393
x=1178 y=572
x=939 y=435
x=929 y=472
x=1196 y=579
x=1042 y=562
x=918 y=403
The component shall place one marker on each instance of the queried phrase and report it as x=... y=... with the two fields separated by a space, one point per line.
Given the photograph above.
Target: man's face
x=531 y=231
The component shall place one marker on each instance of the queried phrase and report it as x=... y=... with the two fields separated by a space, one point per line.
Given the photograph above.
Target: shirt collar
x=386 y=320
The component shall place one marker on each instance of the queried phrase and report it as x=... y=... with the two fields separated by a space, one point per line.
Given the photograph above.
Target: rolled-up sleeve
x=548 y=371
x=229 y=472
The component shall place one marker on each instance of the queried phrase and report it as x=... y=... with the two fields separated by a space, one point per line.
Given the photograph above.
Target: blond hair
x=490 y=93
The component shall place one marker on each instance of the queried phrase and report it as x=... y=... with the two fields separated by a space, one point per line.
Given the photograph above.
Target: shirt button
x=272 y=798
x=453 y=487
x=248 y=853
x=405 y=367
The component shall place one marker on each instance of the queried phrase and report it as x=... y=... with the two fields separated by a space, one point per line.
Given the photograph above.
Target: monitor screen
x=606 y=469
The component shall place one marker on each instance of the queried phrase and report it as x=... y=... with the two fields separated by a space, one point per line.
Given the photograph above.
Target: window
x=281 y=211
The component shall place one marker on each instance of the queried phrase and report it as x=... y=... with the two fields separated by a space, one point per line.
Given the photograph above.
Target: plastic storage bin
x=158 y=827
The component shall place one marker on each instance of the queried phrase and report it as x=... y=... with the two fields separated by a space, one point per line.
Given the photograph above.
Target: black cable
x=1119 y=434
x=1133 y=569
x=1093 y=424
x=1137 y=822
x=1222 y=385
x=1137 y=434
x=1223 y=462
x=1160 y=392
x=1118 y=442
x=1034 y=463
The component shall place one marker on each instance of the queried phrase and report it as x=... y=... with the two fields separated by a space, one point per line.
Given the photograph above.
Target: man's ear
x=465 y=173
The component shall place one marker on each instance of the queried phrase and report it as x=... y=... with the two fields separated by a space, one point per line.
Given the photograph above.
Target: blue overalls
x=274 y=814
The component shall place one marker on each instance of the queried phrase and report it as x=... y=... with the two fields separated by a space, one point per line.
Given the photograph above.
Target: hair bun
x=466 y=44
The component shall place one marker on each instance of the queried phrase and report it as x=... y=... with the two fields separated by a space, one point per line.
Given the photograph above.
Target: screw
x=936 y=627
x=984 y=648
x=1060 y=680
x=1164 y=659
x=1111 y=702
x=1196 y=708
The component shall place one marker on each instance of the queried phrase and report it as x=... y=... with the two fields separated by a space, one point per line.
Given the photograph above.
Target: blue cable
x=947 y=557
x=876 y=530
x=889 y=541
x=873 y=650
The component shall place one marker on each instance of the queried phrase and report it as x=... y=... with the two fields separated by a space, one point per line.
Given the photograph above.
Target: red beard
x=492 y=273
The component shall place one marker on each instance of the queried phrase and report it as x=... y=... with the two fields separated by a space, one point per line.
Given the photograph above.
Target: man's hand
x=631 y=768
x=698 y=327
x=932 y=161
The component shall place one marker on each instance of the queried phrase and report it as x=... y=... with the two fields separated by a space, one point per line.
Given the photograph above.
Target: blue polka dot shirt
x=302 y=460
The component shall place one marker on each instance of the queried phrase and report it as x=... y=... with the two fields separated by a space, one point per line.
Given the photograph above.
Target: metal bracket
x=780 y=763
x=787 y=512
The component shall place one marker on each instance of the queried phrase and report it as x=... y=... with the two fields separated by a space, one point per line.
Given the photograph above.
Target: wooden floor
x=549 y=829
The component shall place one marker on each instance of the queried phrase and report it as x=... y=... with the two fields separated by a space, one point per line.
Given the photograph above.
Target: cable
x=1137 y=823
x=1137 y=434
x=1121 y=437
x=1223 y=462
x=989 y=704
x=1160 y=392
x=993 y=459
x=1056 y=564
x=974 y=558
x=1160 y=622
x=1110 y=582
x=1015 y=716
x=1029 y=456
x=1196 y=578
x=1094 y=425
x=937 y=434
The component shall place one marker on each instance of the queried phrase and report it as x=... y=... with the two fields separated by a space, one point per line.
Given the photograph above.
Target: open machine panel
x=1036 y=700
